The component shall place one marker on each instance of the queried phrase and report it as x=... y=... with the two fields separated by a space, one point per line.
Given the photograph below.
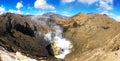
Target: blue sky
x=63 y=7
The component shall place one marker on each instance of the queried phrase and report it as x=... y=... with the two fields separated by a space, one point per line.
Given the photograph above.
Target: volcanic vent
x=59 y=46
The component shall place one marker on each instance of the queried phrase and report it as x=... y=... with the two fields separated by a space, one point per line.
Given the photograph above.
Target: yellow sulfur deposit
x=54 y=47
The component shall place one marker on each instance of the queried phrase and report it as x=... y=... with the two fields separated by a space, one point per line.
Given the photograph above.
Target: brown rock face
x=19 y=33
x=93 y=37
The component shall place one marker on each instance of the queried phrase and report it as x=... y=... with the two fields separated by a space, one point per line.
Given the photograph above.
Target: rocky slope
x=94 y=37
x=20 y=33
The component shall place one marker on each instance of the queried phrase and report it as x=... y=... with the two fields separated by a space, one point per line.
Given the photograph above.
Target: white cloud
x=15 y=11
x=18 y=12
x=117 y=18
x=89 y=2
x=42 y=4
x=19 y=5
x=54 y=11
x=105 y=5
x=27 y=13
x=67 y=1
x=66 y=13
x=2 y=9
x=102 y=4
x=107 y=13
x=12 y=11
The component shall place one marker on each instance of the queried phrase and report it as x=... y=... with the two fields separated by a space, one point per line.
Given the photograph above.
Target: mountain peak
x=80 y=14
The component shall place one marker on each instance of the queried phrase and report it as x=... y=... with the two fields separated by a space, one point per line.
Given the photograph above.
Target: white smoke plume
x=64 y=46
x=40 y=19
x=49 y=36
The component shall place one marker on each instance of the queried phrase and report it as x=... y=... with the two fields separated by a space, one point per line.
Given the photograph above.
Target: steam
x=64 y=47
x=49 y=36
x=61 y=44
